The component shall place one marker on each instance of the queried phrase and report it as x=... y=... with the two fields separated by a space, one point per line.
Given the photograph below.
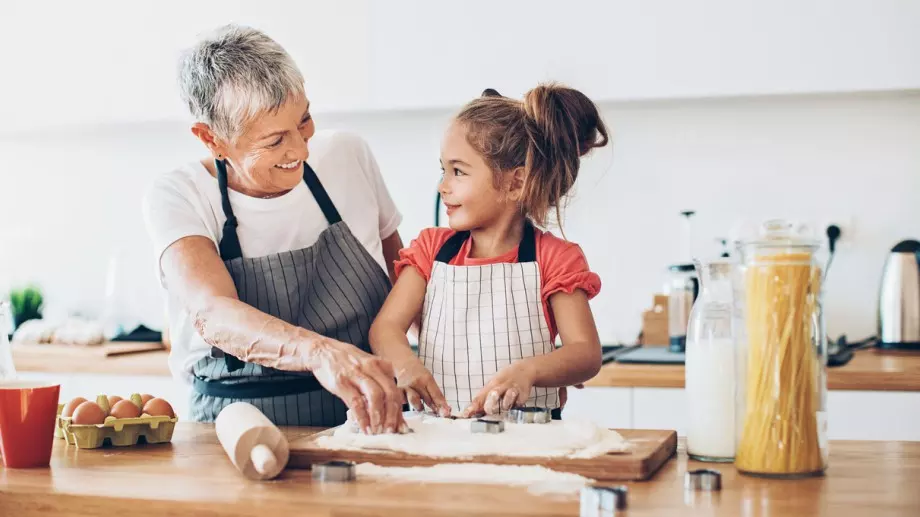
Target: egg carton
x=58 y=432
x=118 y=432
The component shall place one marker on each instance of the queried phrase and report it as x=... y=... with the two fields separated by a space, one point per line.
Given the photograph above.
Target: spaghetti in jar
x=782 y=357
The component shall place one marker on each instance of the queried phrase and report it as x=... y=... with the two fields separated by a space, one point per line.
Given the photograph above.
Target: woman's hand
x=420 y=387
x=509 y=388
x=364 y=382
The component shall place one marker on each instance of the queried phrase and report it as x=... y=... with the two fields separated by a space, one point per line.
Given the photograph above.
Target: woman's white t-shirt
x=186 y=202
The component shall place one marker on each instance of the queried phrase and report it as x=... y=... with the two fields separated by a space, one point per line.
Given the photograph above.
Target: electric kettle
x=899 y=298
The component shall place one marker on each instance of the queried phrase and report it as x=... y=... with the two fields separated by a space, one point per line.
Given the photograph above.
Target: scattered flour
x=446 y=438
x=539 y=480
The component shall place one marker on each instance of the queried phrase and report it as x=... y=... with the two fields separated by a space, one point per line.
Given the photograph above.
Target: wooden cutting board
x=650 y=450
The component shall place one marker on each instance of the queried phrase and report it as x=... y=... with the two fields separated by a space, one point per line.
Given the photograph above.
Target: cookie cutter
x=703 y=479
x=600 y=501
x=483 y=425
x=432 y=413
x=530 y=415
x=334 y=471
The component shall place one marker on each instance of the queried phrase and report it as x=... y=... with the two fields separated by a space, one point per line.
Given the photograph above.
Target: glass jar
x=710 y=366
x=782 y=378
x=7 y=370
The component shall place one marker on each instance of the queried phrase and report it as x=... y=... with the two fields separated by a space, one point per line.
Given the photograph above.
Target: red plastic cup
x=27 y=414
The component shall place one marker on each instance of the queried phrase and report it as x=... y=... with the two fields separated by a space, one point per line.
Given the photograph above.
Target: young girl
x=491 y=293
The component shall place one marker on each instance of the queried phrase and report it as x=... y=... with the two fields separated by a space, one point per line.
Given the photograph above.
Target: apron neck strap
x=320 y=195
x=527 y=249
x=229 y=245
x=230 y=242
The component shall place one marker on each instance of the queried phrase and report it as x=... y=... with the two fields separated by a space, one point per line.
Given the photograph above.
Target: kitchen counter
x=869 y=370
x=77 y=359
x=193 y=476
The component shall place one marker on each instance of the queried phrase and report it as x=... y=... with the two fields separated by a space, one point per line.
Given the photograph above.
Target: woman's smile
x=288 y=166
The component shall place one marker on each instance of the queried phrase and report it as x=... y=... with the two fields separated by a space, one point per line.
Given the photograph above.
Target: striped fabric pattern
x=334 y=288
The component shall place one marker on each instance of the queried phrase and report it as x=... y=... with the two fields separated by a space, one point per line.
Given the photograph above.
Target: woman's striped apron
x=334 y=288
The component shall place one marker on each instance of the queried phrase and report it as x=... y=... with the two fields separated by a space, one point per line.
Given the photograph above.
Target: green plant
x=26 y=304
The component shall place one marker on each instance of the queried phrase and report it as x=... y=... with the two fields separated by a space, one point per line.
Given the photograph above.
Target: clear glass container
x=7 y=370
x=782 y=359
x=710 y=365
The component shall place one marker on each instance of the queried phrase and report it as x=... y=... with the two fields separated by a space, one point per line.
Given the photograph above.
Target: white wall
x=69 y=198
x=92 y=61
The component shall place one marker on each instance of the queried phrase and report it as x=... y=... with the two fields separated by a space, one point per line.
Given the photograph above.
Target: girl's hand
x=509 y=388
x=419 y=386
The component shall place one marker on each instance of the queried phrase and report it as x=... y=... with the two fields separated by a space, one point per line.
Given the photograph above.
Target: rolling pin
x=254 y=444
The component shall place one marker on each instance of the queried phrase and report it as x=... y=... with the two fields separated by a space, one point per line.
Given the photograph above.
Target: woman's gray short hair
x=234 y=74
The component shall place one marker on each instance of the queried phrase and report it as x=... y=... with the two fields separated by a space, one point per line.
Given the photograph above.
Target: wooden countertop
x=91 y=359
x=869 y=369
x=193 y=476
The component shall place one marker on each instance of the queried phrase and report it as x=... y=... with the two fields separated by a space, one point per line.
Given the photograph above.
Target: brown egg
x=71 y=406
x=145 y=398
x=88 y=413
x=125 y=409
x=158 y=407
x=113 y=399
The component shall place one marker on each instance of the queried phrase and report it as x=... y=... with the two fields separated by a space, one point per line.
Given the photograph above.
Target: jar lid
x=782 y=233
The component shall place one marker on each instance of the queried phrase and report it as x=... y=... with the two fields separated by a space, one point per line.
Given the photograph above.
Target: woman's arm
x=578 y=360
x=388 y=340
x=196 y=278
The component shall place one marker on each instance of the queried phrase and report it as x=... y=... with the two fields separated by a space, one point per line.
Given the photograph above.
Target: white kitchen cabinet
x=660 y=408
x=610 y=407
x=109 y=61
x=873 y=415
x=852 y=415
x=443 y=53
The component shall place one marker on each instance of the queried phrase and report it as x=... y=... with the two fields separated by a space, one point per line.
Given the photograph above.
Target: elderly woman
x=274 y=248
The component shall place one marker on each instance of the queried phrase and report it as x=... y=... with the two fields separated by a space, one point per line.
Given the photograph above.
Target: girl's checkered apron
x=479 y=319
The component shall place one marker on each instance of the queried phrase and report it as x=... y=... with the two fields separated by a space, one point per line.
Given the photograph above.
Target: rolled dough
x=538 y=479
x=445 y=438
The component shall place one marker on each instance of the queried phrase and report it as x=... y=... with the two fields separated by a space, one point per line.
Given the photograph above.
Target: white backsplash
x=69 y=200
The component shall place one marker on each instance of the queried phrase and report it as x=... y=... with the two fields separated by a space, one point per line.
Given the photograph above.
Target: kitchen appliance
x=683 y=288
x=899 y=298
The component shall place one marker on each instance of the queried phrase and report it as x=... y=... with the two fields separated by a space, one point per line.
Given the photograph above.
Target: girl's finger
x=510 y=399
x=492 y=405
x=414 y=399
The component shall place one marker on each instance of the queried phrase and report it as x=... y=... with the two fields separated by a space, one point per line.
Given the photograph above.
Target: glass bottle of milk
x=710 y=366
